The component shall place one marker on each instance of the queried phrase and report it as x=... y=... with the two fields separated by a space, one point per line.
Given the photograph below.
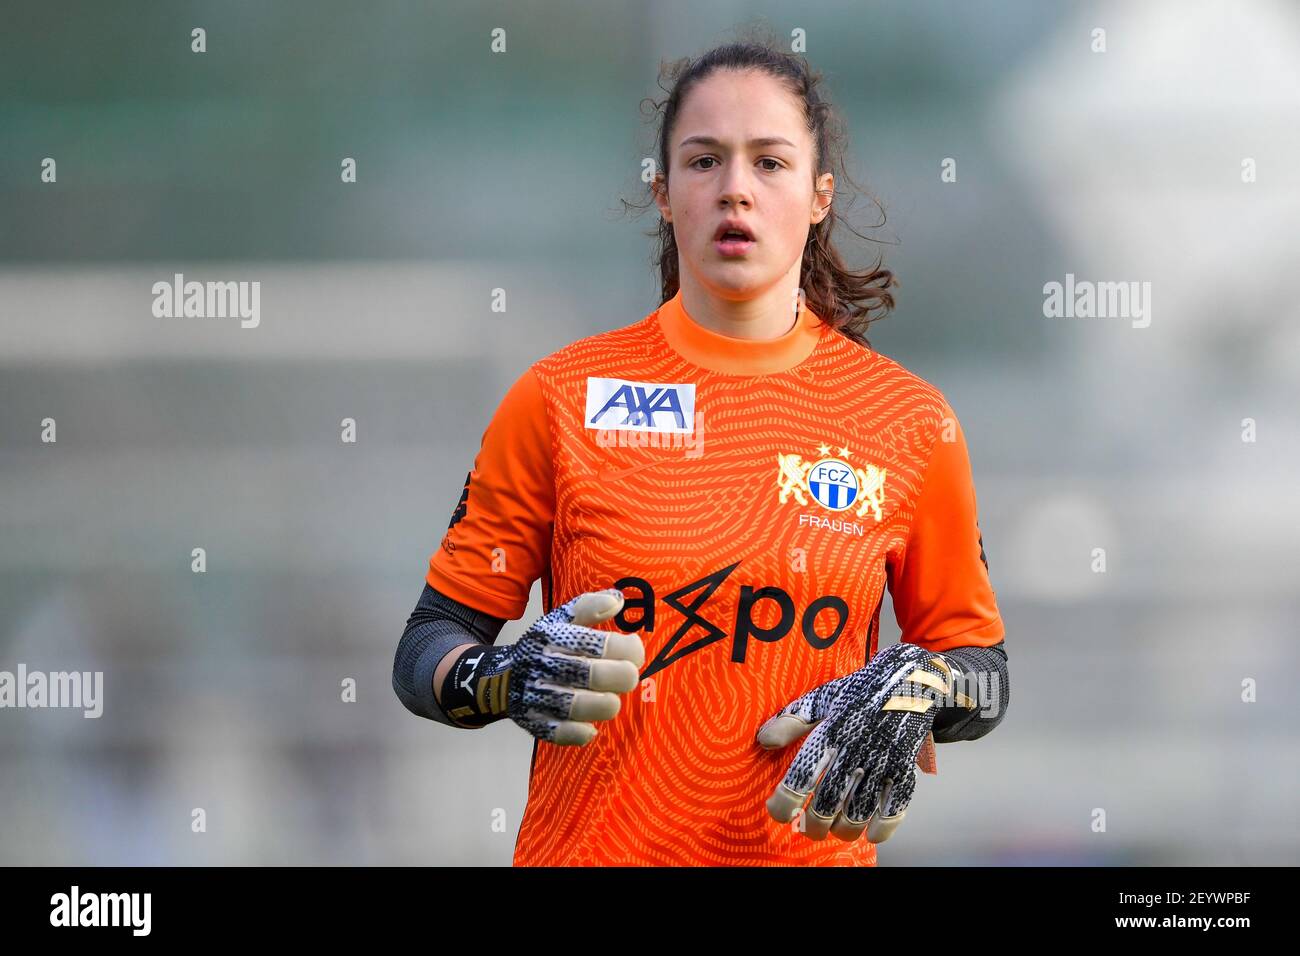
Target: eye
x=776 y=163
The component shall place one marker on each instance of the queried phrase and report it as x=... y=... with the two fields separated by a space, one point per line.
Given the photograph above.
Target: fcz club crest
x=831 y=482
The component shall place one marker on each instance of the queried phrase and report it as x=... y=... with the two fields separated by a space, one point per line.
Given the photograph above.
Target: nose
x=735 y=187
x=733 y=201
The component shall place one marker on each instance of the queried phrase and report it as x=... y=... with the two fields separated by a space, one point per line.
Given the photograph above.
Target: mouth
x=733 y=239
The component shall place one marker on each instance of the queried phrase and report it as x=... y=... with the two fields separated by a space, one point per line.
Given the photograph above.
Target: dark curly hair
x=846 y=300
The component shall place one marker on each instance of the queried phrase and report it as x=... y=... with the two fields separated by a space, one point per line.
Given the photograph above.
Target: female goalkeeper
x=715 y=498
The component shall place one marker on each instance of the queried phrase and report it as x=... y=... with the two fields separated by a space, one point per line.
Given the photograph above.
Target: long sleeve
x=499 y=539
x=437 y=624
x=941 y=590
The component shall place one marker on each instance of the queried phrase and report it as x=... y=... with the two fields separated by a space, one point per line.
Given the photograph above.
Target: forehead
x=739 y=107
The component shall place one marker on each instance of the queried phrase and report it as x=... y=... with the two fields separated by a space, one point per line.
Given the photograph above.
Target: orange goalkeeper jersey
x=752 y=500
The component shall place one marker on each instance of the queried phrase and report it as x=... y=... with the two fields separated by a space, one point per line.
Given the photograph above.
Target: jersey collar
x=732 y=356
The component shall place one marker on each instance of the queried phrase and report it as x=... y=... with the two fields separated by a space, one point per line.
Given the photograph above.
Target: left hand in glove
x=867 y=729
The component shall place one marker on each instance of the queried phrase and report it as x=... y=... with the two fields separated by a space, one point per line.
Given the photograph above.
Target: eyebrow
x=713 y=141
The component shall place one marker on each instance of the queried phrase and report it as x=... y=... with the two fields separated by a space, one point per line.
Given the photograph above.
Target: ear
x=659 y=187
x=823 y=196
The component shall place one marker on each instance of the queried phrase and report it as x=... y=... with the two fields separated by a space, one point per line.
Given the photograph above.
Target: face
x=741 y=150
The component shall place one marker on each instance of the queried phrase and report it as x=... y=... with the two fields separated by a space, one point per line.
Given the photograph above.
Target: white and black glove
x=867 y=729
x=560 y=676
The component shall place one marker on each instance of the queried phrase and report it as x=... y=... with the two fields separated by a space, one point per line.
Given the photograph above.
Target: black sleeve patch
x=461 y=505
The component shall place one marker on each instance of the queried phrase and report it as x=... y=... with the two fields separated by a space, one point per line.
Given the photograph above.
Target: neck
x=733 y=355
x=768 y=315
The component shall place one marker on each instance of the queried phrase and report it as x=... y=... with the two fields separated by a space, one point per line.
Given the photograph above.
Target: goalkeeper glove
x=557 y=678
x=870 y=726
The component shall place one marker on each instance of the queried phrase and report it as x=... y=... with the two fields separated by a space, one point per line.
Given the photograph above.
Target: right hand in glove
x=560 y=675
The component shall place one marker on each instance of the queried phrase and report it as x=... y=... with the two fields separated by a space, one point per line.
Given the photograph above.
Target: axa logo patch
x=831 y=482
x=619 y=405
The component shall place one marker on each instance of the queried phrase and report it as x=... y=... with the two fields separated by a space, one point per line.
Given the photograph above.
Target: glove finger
x=843 y=827
x=568 y=629
x=573 y=733
x=853 y=732
x=892 y=808
x=585 y=641
x=594 y=607
x=604 y=645
x=565 y=670
x=880 y=810
x=831 y=791
x=905 y=733
x=863 y=791
x=568 y=670
x=548 y=700
x=568 y=703
x=782 y=730
x=899 y=795
x=865 y=796
x=619 y=676
x=808 y=764
x=882 y=802
x=563 y=733
x=591 y=705
x=799 y=716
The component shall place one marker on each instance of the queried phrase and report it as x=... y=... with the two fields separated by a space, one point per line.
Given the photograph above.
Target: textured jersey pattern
x=747 y=589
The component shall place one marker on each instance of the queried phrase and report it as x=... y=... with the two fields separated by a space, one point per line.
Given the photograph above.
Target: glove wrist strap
x=474 y=691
